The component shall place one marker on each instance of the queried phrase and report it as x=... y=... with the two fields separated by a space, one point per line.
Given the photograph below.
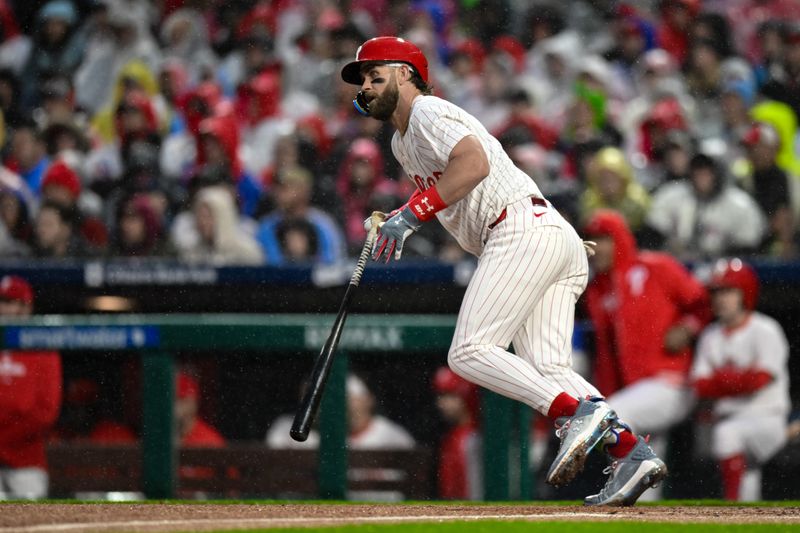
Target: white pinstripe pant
x=529 y=277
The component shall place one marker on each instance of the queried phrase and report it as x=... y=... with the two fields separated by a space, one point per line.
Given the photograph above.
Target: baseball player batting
x=531 y=270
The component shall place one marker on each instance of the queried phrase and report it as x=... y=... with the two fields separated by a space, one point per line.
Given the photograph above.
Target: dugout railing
x=157 y=338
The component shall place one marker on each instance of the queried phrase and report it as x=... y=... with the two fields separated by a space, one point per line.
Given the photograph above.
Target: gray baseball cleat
x=630 y=476
x=579 y=434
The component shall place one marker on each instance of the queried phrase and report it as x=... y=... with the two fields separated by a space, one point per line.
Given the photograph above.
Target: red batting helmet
x=386 y=49
x=735 y=274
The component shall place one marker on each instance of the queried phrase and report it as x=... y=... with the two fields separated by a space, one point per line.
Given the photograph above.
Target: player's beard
x=383 y=106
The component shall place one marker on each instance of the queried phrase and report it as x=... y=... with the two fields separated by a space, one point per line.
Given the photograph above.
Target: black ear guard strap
x=361 y=105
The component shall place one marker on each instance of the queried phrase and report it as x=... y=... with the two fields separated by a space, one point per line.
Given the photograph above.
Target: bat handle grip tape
x=363 y=258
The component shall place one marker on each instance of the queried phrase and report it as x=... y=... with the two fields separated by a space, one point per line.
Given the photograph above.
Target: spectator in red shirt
x=192 y=430
x=87 y=416
x=30 y=400
x=676 y=21
x=62 y=185
x=460 y=475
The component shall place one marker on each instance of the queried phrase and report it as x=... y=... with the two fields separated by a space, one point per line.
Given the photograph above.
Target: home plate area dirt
x=93 y=518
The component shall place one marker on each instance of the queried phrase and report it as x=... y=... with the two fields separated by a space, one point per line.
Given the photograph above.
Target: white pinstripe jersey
x=434 y=128
x=759 y=344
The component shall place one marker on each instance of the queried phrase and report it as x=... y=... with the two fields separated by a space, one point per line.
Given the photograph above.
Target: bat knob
x=374 y=221
x=298 y=435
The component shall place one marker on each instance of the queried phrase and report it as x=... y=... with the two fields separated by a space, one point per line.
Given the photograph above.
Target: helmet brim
x=351 y=73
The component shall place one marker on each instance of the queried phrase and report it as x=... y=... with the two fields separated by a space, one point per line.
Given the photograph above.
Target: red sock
x=625 y=443
x=563 y=405
x=732 y=470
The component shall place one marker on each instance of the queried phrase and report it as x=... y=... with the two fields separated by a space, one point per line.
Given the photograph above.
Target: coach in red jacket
x=646 y=309
x=460 y=467
x=30 y=400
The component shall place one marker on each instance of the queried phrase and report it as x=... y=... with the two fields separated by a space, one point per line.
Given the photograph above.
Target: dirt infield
x=94 y=518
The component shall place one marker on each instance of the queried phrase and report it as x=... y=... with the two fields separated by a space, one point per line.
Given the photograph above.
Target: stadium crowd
x=222 y=132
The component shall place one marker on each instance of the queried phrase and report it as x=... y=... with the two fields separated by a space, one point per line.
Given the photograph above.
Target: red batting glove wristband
x=414 y=194
x=426 y=204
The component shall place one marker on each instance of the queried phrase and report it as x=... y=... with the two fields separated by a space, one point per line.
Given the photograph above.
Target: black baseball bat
x=309 y=406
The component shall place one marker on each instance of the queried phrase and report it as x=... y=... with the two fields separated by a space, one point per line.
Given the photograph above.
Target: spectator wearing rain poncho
x=180 y=148
x=134 y=76
x=676 y=17
x=134 y=121
x=663 y=121
x=588 y=126
x=703 y=216
x=139 y=230
x=632 y=37
x=117 y=40
x=656 y=78
x=708 y=72
x=769 y=186
x=781 y=117
x=218 y=152
x=185 y=36
x=463 y=74
x=221 y=241
x=611 y=185
x=550 y=75
x=15 y=46
x=261 y=120
x=57 y=49
x=738 y=96
x=17 y=207
x=783 y=80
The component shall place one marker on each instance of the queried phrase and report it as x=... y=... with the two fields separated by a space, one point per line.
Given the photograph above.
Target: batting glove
x=386 y=216
x=393 y=233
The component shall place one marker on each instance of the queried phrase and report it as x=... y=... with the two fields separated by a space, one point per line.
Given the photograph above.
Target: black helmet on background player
x=387 y=50
x=383 y=50
x=735 y=274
